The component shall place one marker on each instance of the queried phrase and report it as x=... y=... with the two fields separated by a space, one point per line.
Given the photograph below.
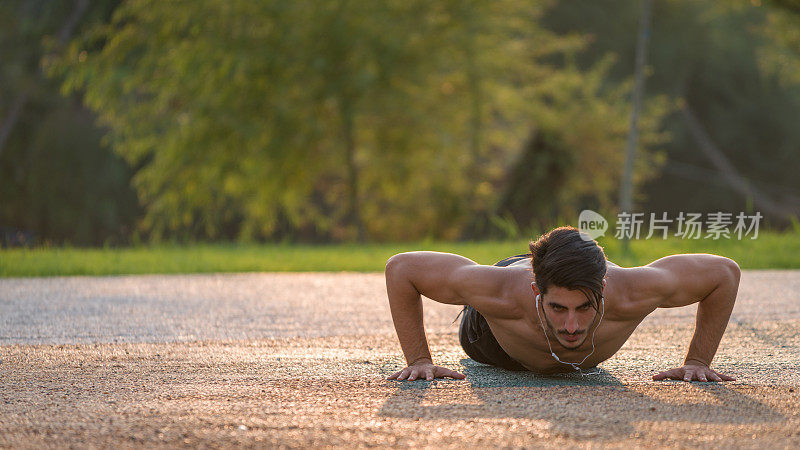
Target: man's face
x=569 y=315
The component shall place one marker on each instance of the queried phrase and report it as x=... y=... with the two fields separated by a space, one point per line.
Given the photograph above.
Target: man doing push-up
x=563 y=307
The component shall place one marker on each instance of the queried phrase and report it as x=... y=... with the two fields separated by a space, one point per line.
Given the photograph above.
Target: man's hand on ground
x=692 y=372
x=426 y=370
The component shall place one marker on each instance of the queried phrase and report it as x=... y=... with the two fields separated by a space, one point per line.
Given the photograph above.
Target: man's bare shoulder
x=495 y=291
x=631 y=292
x=639 y=290
x=454 y=279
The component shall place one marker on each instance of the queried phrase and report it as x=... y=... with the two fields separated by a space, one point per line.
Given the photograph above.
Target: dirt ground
x=72 y=379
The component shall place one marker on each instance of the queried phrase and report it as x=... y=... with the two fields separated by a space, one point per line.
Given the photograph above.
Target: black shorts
x=476 y=337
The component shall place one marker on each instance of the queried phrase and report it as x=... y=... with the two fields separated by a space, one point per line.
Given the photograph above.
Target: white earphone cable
x=574 y=365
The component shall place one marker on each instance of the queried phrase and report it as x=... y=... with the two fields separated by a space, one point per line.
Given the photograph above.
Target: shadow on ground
x=575 y=405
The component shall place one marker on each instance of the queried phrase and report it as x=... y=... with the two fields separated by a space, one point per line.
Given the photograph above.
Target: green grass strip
x=769 y=251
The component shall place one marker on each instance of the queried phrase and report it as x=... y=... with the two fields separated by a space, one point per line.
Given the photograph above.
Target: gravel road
x=299 y=360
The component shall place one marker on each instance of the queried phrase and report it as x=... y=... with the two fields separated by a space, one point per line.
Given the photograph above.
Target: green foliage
x=328 y=120
x=781 y=59
x=574 y=157
x=735 y=64
x=389 y=120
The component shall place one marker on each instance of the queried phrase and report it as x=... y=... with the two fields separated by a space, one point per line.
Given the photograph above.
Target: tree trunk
x=11 y=118
x=626 y=190
x=474 y=86
x=64 y=35
x=353 y=210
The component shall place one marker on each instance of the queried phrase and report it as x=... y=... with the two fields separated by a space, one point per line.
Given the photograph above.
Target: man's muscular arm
x=444 y=277
x=712 y=282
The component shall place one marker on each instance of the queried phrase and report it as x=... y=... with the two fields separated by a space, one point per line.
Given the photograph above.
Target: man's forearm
x=713 y=313
x=405 y=304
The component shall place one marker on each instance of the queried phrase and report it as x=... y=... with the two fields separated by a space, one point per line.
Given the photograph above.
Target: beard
x=562 y=333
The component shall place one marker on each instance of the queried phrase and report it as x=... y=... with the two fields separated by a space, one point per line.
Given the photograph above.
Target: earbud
x=575 y=366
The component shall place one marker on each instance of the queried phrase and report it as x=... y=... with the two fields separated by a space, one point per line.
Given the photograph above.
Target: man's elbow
x=733 y=269
x=731 y=273
x=400 y=271
x=396 y=263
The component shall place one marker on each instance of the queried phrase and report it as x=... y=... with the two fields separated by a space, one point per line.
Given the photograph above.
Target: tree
x=57 y=180
x=329 y=120
x=730 y=63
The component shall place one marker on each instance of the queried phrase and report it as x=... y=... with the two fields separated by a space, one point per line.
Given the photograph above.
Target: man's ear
x=535 y=289
x=604 y=283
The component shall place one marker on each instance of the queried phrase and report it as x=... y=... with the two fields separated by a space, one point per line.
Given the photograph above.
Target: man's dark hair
x=563 y=258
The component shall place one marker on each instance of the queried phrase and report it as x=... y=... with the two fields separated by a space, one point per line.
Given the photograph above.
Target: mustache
x=565 y=333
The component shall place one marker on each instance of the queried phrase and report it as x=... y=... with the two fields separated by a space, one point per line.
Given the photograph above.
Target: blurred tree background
x=57 y=180
x=734 y=68
x=385 y=120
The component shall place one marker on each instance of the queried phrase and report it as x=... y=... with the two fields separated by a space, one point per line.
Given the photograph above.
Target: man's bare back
x=505 y=297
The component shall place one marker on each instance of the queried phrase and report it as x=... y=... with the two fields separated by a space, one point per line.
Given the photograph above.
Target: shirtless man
x=574 y=311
